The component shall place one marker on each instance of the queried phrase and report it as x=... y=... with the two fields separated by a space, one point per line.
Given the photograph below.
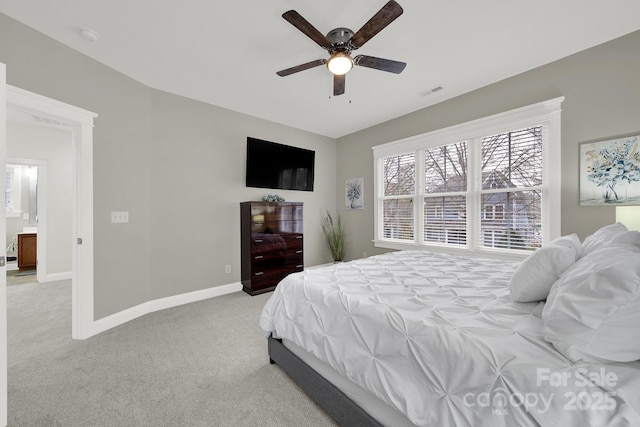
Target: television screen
x=278 y=166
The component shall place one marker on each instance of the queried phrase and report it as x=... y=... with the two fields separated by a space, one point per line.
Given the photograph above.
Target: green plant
x=334 y=236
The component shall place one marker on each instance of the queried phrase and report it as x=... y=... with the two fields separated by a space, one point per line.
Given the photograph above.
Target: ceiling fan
x=340 y=42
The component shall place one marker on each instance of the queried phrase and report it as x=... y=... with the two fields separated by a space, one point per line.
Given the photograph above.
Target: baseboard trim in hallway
x=117 y=319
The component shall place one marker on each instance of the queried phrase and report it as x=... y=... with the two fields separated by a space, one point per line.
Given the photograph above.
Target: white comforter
x=438 y=338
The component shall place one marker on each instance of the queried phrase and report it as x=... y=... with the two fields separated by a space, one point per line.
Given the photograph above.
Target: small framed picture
x=610 y=172
x=354 y=193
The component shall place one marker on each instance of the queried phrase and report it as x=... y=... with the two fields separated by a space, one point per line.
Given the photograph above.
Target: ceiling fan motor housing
x=339 y=37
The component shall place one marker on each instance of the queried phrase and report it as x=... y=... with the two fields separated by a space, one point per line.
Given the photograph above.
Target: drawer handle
x=259 y=240
x=298 y=252
x=259 y=273
x=299 y=266
x=298 y=237
x=259 y=257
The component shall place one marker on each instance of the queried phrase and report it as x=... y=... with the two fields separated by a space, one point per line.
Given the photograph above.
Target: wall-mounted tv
x=279 y=166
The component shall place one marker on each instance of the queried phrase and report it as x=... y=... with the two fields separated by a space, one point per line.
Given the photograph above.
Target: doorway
x=21 y=209
x=54 y=114
x=41 y=159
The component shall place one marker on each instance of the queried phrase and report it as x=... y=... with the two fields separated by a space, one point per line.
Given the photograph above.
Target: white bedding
x=438 y=338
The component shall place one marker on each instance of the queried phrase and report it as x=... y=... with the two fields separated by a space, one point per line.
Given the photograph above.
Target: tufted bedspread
x=438 y=338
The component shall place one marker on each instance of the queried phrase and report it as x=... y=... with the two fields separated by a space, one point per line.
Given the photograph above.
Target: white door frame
x=3 y=253
x=57 y=114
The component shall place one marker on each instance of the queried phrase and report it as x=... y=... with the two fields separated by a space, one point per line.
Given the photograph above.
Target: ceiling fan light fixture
x=340 y=63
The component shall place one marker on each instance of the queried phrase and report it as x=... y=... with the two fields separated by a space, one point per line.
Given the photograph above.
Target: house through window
x=444 y=198
x=399 y=189
x=489 y=185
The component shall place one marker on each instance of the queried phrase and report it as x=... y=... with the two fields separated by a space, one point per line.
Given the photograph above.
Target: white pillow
x=534 y=277
x=592 y=312
x=608 y=235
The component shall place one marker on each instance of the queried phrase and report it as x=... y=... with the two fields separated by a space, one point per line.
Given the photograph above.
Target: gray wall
x=177 y=167
x=601 y=87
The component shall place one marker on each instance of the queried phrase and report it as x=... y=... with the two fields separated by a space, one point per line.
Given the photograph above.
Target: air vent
x=430 y=91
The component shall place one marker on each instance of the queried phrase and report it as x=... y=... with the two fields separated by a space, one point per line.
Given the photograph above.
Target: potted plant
x=334 y=236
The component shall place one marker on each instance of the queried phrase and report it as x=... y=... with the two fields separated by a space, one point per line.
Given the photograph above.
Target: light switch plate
x=119 y=217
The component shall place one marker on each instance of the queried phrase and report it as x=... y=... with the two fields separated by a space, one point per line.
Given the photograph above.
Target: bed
x=430 y=339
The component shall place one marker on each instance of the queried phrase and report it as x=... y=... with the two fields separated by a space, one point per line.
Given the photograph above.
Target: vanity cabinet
x=27 y=251
x=271 y=244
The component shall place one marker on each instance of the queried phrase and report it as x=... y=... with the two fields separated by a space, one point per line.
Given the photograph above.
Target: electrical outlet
x=227 y=269
x=364 y=254
x=119 y=217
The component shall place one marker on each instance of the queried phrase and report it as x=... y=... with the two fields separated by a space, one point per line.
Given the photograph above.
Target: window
x=444 y=199
x=510 y=190
x=399 y=189
x=12 y=190
x=491 y=185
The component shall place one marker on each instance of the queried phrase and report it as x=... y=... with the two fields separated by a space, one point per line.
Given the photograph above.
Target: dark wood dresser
x=271 y=243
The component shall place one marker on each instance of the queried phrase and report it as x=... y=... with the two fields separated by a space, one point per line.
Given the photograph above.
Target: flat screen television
x=279 y=166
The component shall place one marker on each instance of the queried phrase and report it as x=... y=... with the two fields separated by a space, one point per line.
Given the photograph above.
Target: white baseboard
x=129 y=314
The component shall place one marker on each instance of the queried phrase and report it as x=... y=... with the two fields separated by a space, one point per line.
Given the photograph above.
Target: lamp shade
x=629 y=216
x=340 y=63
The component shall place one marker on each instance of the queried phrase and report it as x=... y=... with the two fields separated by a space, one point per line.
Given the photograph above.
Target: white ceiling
x=227 y=53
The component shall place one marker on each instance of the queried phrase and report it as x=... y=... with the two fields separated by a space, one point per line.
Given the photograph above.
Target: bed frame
x=334 y=402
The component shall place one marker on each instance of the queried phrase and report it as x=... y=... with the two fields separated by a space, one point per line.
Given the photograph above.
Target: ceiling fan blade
x=301 y=67
x=309 y=30
x=338 y=84
x=380 y=63
x=377 y=23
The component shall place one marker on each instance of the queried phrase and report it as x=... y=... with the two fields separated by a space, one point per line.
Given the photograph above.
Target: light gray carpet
x=15 y=277
x=202 y=364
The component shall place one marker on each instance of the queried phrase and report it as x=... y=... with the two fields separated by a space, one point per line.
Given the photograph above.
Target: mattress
x=437 y=338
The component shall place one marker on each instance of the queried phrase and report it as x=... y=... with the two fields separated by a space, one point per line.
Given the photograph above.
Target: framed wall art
x=610 y=172
x=354 y=193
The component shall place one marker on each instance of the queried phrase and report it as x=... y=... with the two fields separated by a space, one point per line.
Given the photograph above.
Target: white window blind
x=397 y=201
x=445 y=172
x=487 y=185
x=8 y=181
x=12 y=191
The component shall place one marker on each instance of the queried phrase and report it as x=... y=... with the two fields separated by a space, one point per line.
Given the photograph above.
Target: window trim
x=546 y=113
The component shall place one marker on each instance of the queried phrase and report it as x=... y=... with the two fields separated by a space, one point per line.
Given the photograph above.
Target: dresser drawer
x=266 y=278
x=276 y=212
x=277 y=227
x=294 y=242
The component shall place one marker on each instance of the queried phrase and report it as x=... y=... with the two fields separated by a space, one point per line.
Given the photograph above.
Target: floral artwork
x=354 y=197
x=610 y=172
